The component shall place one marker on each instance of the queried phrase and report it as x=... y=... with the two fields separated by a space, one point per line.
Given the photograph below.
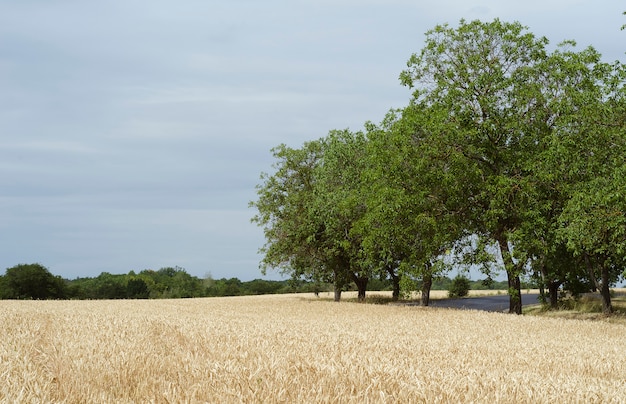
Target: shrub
x=459 y=287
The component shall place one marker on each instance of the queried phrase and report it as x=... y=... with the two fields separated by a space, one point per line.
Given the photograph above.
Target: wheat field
x=300 y=349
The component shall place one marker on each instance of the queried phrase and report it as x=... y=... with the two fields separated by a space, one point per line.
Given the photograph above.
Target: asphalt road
x=485 y=303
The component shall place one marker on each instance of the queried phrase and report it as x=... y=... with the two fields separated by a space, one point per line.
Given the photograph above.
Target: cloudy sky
x=133 y=132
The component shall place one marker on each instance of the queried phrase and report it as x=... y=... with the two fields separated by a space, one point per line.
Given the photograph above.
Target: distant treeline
x=34 y=281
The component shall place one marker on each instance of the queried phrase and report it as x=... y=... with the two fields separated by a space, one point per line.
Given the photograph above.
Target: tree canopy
x=31 y=281
x=503 y=141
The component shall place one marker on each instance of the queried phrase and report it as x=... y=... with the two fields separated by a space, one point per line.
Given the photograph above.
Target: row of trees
x=509 y=156
x=34 y=281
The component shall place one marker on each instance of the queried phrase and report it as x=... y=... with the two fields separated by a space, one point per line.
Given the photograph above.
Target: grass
x=587 y=307
x=299 y=348
x=384 y=297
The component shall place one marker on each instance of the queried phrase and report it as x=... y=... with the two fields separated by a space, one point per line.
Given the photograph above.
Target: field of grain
x=298 y=348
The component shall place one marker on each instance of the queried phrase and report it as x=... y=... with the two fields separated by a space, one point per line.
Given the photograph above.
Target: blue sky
x=133 y=132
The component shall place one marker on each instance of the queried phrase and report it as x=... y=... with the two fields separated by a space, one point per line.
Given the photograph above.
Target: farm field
x=299 y=348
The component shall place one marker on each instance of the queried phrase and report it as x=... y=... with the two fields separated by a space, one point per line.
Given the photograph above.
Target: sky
x=133 y=132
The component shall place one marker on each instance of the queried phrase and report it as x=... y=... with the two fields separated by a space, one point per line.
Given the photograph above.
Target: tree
x=594 y=227
x=5 y=293
x=483 y=76
x=309 y=209
x=586 y=154
x=32 y=281
x=297 y=243
x=227 y=287
x=137 y=288
x=502 y=142
x=262 y=287
x=510 y=110
x=411 y=218
x=340 y=203
x=171 y=282
x=109 y=286
x=459 y=287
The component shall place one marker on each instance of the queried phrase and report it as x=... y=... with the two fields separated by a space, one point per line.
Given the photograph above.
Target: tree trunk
x=515 y=285
x=603 y=287
x=361 y=295
x=338 y=293
x=515 y=293
x=426 y=285
x=553 y=290
x=395 y=281
x=339 y=282
x=605 y=292
x=361 y=285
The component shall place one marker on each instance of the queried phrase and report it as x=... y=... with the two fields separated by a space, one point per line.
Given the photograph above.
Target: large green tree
x=309 y=208
x=296 y=241
x=33 y=281
x=411 y=219
x=579 y=167
x=594 y=227
x=340 y=202
x=583 y=100
x=511 y=110
x=483 y=76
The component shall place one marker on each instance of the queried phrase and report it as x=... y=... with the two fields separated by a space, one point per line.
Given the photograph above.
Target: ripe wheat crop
x=297 y=348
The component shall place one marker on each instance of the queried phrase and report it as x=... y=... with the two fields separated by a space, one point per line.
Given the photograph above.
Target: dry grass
x=298 y=348
x=434 y=294
x=587 y=307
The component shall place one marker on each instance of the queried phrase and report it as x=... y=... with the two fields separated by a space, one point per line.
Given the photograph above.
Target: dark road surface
x=485 y=303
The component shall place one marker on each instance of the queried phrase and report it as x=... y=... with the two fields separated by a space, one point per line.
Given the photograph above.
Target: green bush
x=31 y=281
x=459 y=287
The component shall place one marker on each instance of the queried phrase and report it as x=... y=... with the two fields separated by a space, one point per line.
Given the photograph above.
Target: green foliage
x=137 y=288
x=225 y=287
x=169 y=282
x=408 y=286
x=309 y=210
x=109 y=286
x=32 y=281
x=527 y=128
x=409 y=222
x=378 y=284
x=482 y=80
x=165 y=283
x=295 y=237
x=509 y=153
x=4 y=291
x=459 y=287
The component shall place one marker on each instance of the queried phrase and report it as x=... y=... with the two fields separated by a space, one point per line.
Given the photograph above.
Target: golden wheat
x=297 y=348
